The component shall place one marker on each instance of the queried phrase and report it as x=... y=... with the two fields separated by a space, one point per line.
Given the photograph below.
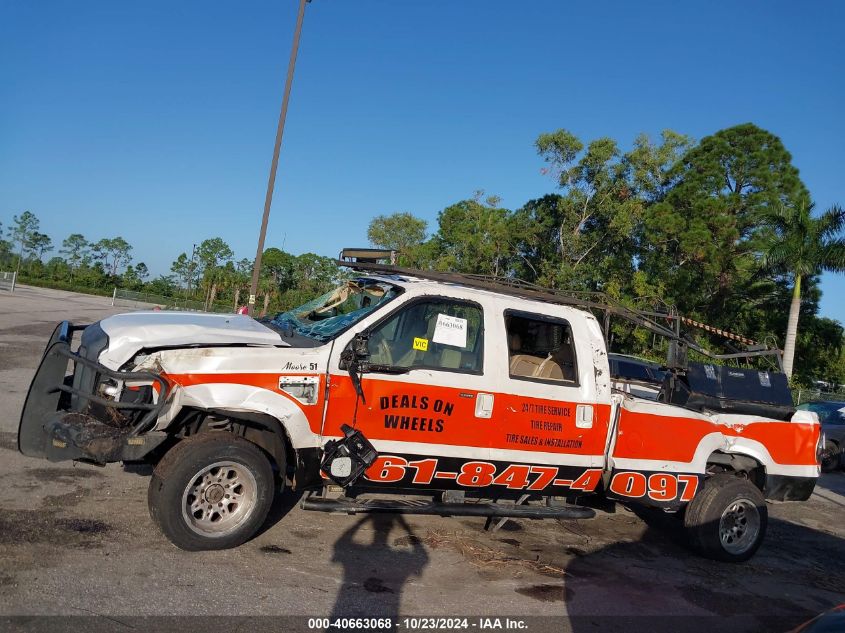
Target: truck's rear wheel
x=211 y=491
x=830 y=457
x=727 y=519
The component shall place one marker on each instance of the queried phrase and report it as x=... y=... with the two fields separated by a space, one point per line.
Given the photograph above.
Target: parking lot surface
x=76 y=540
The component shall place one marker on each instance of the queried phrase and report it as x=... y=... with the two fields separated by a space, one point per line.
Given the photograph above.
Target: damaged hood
x=129 y=333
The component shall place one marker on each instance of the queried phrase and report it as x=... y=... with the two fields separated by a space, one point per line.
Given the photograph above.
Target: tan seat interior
x=549 y=369
x=525 y=365
x=521 y=364
x=559 y=366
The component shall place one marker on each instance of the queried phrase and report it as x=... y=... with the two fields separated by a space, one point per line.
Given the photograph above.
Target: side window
x=433 y=334
x=540 y=348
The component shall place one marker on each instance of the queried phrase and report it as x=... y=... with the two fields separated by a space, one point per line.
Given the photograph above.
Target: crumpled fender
x=238 y=397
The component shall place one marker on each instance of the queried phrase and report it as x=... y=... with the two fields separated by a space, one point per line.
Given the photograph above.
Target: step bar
x=358 y=506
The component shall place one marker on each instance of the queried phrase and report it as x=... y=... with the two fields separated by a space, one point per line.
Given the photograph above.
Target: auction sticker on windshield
x=450 y=330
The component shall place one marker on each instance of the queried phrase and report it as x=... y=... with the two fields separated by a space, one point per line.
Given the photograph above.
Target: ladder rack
x=599 y=301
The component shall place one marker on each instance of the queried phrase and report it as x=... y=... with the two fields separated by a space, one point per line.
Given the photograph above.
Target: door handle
x=484 y=405
x=584 y=416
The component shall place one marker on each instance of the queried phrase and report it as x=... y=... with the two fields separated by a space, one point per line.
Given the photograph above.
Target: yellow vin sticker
x=421 y=344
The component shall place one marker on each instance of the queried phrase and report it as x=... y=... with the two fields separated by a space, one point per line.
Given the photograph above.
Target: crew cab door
x=555 y=414
x=427 y=399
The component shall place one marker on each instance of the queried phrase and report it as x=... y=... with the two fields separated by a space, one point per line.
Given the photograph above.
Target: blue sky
x=155 y=120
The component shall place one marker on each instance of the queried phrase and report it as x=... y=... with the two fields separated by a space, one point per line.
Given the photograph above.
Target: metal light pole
x=190 y=275
x=268 y=199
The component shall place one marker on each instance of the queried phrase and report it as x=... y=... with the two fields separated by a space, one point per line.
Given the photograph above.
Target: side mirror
x=354 y=360
x=356 y=352
x=361 y=345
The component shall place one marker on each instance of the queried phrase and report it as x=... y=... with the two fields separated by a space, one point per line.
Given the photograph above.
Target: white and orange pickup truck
x=413 y=392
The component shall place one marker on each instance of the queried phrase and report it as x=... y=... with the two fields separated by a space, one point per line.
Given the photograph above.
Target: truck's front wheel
x=211 y=491
x=727 y=519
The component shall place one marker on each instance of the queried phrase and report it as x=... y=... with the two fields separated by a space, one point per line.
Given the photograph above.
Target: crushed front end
x=79 y=409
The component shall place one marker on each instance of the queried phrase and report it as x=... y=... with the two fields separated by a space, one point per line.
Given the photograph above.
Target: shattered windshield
x=328 y=315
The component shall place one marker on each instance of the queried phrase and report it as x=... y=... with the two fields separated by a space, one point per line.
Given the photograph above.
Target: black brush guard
x=83 y=425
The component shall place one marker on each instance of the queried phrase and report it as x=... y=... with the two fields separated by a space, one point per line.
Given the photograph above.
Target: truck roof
x=469 y=291
x=583 y=302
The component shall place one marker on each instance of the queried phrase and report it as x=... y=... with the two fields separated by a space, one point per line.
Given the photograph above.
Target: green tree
x=699 y=233
x=21 y=232
x=474 y=237
x=241 y=280
x=162 y=285
x=280 y=267
x=57 y=269
x=401 y=232
x=590 y=225
x=141 y=271
x=800 y=246
x=134 y=276
x=651 y=165
x=314 y=275
x=212 y=253
x=38 y=244
x=5 y=247
x=315 y=272
x=75 y=249
x=114 y=253
x=227 y=279
x=185 y=269
x=130 y=279
x=536 y=229
x=93 y=275
x=820 y=351
x=268 y=288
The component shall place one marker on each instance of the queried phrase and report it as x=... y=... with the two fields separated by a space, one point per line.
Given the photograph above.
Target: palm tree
x=803 y=246
x=225 y=280
x=268 y=286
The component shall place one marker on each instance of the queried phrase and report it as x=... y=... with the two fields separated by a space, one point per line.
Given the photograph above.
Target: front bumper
x=64 y=418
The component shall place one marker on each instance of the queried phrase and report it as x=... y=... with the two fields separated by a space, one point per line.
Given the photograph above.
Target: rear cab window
x=540 y=348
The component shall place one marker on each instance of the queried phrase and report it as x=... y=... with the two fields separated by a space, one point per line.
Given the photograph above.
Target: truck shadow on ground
x=282 y=505
x=657 y=584
x=648 y=580
x=379 y=554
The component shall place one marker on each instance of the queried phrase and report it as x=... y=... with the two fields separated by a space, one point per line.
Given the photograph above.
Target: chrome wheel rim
x=219 y=498
x=829 y=456
x=739 y=526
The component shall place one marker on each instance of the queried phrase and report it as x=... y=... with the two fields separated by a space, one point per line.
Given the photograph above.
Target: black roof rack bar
x=580 y=299
x=367 y=255
x=519 y=288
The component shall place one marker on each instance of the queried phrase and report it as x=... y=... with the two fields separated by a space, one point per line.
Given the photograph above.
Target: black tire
x=727 y=519
x=831 y=457
x=192 y=484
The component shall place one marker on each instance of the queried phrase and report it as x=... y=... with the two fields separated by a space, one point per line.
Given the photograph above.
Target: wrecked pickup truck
x=412 y=392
